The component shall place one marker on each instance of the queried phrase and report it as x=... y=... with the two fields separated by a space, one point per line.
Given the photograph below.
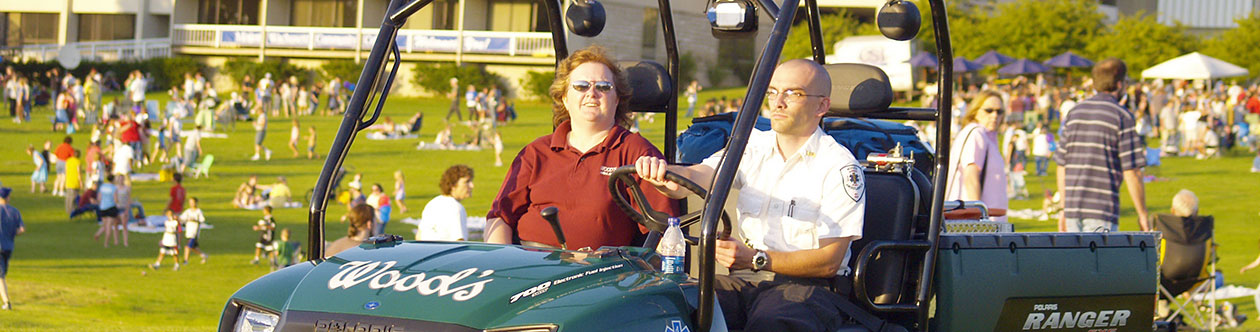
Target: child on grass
x=266 y=228
x=170 y=241
x=310 y=143
x=287 y=252
x=400 y=191
x=193 y=218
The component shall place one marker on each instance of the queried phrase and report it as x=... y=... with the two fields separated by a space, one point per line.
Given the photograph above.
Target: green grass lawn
x=61 y=279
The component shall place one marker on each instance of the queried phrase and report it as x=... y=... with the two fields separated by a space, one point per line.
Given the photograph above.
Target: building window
x=28 y=28
x=650 y=19
x=93 y=27
x=324 y=13
x=517 y=15
x=243 y=12
x=445 y=13
x=162 y=29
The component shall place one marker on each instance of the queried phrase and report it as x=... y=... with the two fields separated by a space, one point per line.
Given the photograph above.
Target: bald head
x=1185 y=204
x=813 y=76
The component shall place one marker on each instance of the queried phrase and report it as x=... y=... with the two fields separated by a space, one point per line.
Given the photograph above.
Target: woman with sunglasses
x=976 y=169
x=569 y=168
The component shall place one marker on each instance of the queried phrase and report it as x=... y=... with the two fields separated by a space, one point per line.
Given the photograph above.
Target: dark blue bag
x=862 y=137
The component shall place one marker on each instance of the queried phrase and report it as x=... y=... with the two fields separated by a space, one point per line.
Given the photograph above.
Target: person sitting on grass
x=87 y=202
x=266 y=228
x=279 y=196
x=360 y=228
x=247 y=194
x=169 y=243
x=193 y=218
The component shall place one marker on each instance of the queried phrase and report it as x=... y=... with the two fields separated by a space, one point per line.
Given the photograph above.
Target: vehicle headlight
x=254 y=320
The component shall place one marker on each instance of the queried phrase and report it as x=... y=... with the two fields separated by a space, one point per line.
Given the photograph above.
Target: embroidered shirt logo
x=606 y=171
x=854 y=184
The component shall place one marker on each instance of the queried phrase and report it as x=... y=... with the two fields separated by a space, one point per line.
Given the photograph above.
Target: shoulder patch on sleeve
x=854 y=183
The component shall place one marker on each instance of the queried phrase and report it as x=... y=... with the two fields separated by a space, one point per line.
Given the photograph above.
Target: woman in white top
x=976 y=169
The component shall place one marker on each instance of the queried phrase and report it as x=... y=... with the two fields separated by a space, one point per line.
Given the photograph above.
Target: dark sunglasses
x=582 y=86
x=993 y=110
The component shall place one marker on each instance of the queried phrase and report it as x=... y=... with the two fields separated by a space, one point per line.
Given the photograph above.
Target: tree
x=1238 y=45
x=1142 y=42
x=834 y=28
x=1029 y=29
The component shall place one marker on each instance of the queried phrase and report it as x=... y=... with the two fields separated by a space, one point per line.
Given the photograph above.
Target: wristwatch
x=759 y=260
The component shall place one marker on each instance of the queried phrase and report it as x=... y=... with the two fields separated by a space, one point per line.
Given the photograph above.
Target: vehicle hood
x=461 y=283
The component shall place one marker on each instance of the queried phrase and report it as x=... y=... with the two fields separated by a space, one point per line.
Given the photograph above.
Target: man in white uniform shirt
x=801 y=203
x=444 y=218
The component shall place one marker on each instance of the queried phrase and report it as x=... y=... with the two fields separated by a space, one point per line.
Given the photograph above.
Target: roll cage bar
x=372 y=83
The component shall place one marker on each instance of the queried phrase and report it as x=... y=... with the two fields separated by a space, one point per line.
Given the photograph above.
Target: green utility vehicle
x=912 y=269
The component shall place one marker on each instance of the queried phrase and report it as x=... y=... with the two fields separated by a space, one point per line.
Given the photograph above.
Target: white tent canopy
x=1194 y=66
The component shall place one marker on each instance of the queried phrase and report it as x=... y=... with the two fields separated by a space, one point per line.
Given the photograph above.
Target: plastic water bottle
x=672 y=248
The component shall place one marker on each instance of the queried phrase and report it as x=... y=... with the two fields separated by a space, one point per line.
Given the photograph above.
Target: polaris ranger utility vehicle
x=912 y=269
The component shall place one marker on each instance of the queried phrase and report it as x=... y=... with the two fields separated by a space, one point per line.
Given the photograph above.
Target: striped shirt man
x=1098 y=144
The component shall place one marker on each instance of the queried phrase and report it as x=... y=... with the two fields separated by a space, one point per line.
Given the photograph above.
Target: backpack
x=862 y=137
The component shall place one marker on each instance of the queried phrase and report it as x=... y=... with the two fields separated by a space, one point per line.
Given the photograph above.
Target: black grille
x=307 y=321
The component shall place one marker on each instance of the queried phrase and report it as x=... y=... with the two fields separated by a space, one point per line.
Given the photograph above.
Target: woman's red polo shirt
x=550 y=172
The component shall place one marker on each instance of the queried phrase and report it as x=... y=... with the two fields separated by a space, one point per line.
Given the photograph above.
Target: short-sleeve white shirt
x=123 y=154
x=788 y=205
x=169 y=236
x=443 y=219
x=192 y=222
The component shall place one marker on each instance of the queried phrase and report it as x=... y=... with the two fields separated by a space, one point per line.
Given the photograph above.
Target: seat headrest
x=858 y=89
x=650 y=85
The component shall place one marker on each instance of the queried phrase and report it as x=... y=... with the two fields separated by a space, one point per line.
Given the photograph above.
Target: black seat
x=858 y=89
x=650 y=84
x=1187 y=246
x=895 y=200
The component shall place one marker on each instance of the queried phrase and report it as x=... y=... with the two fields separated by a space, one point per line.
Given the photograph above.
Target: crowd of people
x=797 y=222
x=1200 y=119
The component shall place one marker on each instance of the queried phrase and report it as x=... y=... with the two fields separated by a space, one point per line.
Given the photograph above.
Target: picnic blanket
x=154 y=225
x=379 y=136
x=452 y=147
x=144 y=177
x=289 y=205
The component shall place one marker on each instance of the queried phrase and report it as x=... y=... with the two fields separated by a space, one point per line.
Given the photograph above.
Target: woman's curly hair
x=593 y=53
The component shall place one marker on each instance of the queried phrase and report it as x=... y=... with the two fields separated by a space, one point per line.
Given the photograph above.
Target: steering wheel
x=647 y=216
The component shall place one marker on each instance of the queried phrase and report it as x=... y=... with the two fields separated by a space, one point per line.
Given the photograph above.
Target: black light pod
x=899 y=20
x=585 y=18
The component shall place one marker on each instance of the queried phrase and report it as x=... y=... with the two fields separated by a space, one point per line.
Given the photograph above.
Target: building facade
x=507 y=37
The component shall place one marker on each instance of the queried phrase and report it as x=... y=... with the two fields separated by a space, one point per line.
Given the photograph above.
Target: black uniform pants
x=782 y=304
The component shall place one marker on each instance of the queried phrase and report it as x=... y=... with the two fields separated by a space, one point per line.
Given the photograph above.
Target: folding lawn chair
x=203 y=168
x=1187 y=260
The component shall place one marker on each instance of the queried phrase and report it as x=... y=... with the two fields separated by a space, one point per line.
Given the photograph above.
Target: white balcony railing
x=320 y=38
x=110 y=50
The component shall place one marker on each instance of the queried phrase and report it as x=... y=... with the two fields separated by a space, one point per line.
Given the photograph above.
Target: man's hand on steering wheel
x=652 y=170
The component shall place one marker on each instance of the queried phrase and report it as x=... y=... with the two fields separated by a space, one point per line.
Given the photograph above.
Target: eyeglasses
x=583 y=86
x=789 y=95
x=993 y=110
